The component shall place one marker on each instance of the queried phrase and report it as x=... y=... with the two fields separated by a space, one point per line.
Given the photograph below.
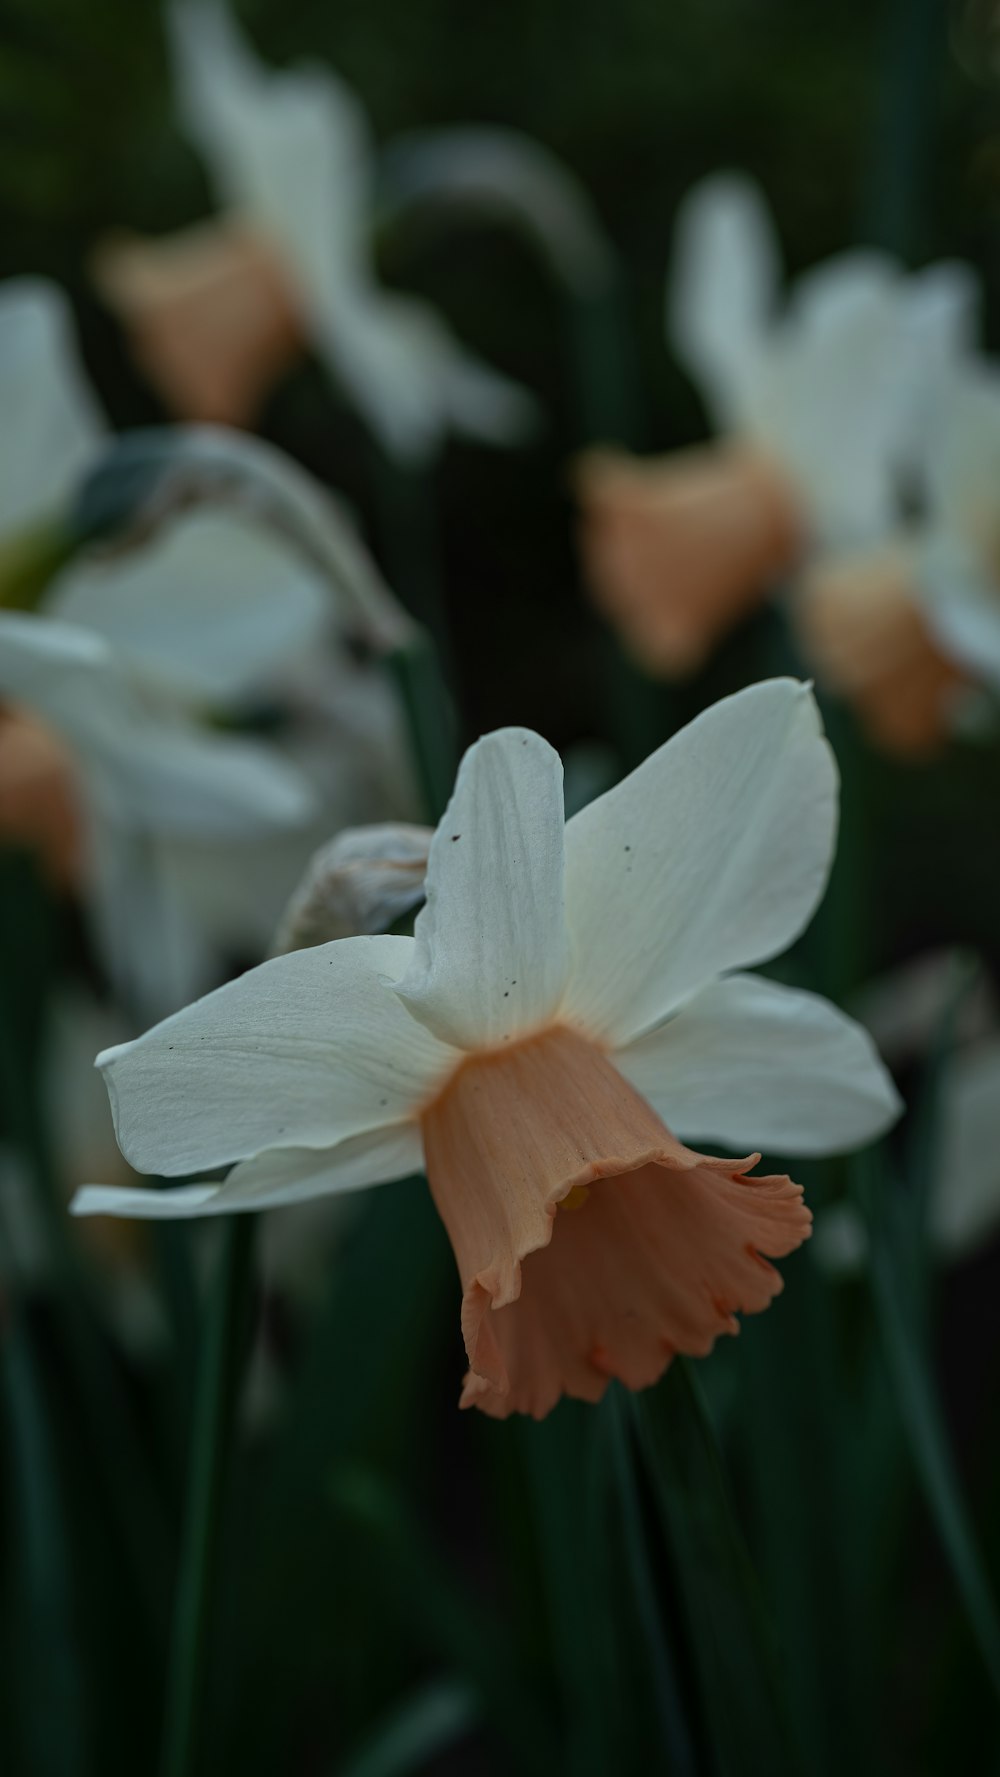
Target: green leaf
x=424 y=1725
x=449 y=1621
x=905 y=1344
x=732 y=1641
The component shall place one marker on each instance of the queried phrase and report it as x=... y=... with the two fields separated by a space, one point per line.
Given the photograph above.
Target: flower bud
x=360 y=883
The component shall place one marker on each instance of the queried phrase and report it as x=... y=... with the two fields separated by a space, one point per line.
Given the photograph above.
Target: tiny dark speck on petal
x=455 y=836
x=628 y=848
x=506 y=993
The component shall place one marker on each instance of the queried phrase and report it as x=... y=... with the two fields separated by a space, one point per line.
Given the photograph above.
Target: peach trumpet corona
x=657 y=1249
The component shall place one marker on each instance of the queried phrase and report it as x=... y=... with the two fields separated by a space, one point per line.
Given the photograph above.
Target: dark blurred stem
x=919 y=1408
x=604 y=367
x=429 y=717
x=915 y=43
x=219 y=1369
x=406 y=499
x=676 y=1738
x=29 y=560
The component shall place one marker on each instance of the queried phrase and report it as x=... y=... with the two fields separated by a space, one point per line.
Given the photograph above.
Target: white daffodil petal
x=52 y=426
x=752 y=1064
x=965 y=1196
x=491 y=952
x=148 y=765
x=288 y=148
x=209 y=610
x=939 y=325
x=711 y=856
x=270 y=1181
x=723 y=288
x=961 y=602
x=304 y=1051
x=825 y=398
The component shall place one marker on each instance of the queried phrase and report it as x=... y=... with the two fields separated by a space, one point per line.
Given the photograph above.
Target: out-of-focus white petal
x=965 y=1203
x=157 y=953
x=289 y=148
x=960 y=594
x=964 y=464
x=270 y=1181
x=751 y=1064
x=149 y=767
x=305 y=1051
x=502 y=174
x=939 y=328
x=412 y=379
x=209 y=610
x=50 y=423
x=712 y=855
x=824 y=396
x=490 y=947
x=723 y=288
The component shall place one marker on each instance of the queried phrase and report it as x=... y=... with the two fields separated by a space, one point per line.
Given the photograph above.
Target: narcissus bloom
x=816 y=401
x=218 y=313
x=569 y=1013
x=905 y=632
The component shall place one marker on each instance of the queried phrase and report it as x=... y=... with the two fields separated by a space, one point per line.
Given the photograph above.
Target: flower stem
x=429 y=718
x=219 y=1366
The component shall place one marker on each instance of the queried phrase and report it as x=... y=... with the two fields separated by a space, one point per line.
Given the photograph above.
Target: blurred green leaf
x=425 y=1724
x=417 y=1582
x=905 y=1345
x=732 y=1638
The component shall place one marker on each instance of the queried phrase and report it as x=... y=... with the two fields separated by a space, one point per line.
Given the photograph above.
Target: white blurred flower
x=910 y=632
x=51 y=426
x=822 y=403
x=567 y=987
x=837 y=383
x=194 y=834
x=290 y=157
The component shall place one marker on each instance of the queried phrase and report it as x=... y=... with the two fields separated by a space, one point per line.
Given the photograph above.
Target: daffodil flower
x=821 y=406
x=570 y=1011
x=909 y=631
x=234 y=590
x=218 y=313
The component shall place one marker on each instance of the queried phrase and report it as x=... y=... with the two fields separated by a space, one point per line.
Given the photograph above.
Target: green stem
x=429 y=716
x=215 y=1402
x=920 y=1410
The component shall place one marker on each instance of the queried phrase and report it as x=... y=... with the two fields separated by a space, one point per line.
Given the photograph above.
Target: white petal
x=412 y=379
x=965 y=1203
x=723 y=287
x=961 y=599
x=491 y=953
x=147 y=765
x=965 y=460
x=940 y=324
x=52 y=426
x=712 y=855
x=211 y=609
x=825 y=398
x=502 y=173
x=304 y=1051
x=270 y=1181
x=290 y=148
x=751 y=1064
